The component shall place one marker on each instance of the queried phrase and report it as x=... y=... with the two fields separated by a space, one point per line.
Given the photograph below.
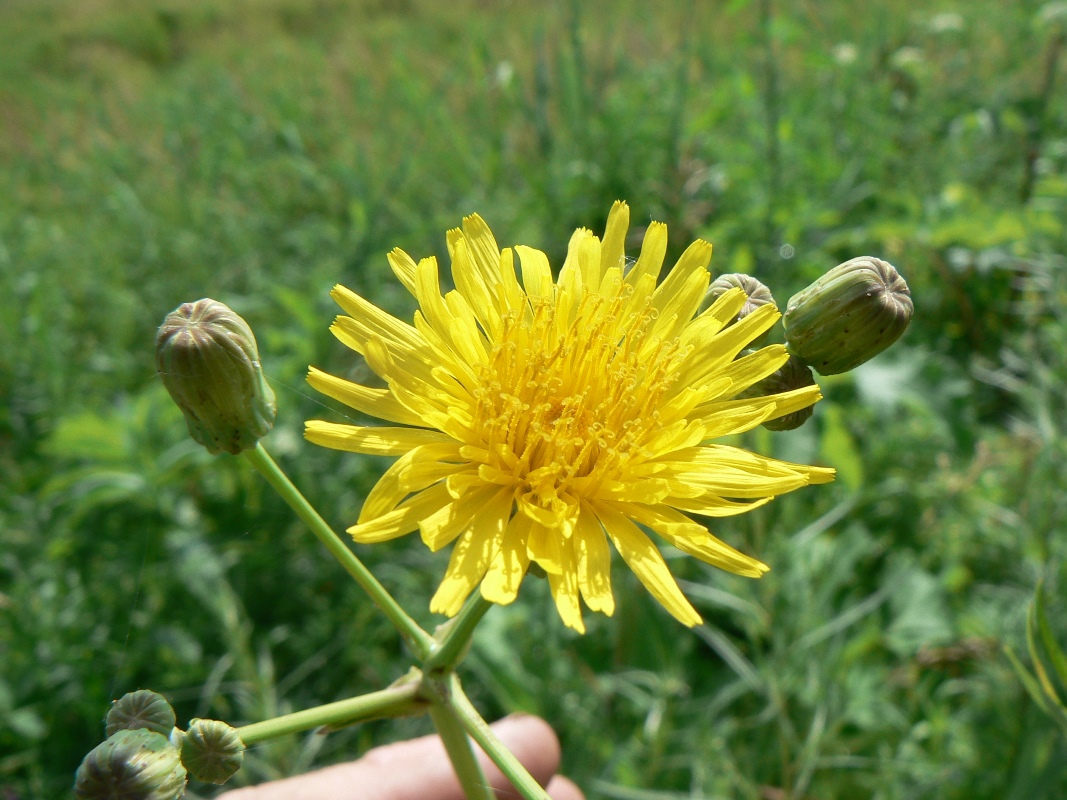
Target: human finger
x=561 y=788
x=419 y=769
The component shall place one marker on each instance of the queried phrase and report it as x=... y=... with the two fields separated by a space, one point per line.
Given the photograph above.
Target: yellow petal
x=692 y=538
x=564 y=586
x=458 y=331
x=536 y=272
x=418 y=361
x=372 y=441
x=403 y=519
x=717 y=316
x=472 y=556
x=711 y=505
x=788 y=402
x=542 y=547
x=403 y=267
x=724 y=347
x=375 y=402
x=509 y=294
x=469 y=339
x=390 y=489
x=484 y=252
x=695 y=258
x=648 y=565
x=594 y=562
x=613 y=248
x=653 y=249
x=582 y=262
x=683 y=433
x=717 y=454
x=470 y=280
x=432 y=393
x=444 y=525
x=723 y=471
x=736 y=483
x=367 y=319
x=678 y=308
x=751 y=369
x=726 y=418
x=509 y=565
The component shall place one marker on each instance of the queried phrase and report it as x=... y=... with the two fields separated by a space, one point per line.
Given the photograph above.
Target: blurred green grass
x=258 y=152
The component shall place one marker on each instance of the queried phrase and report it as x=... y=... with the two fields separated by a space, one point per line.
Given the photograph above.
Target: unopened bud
x=141 y=709
x=209 y=362
x=139 y=764
x=758 y=294
x=794 y=374
x=212 y=751
x=848 y=316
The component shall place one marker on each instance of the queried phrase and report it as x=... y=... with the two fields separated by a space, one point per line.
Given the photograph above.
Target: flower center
x=570 y=395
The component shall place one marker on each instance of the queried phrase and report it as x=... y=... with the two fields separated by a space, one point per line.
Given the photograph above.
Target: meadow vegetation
x=155 y=152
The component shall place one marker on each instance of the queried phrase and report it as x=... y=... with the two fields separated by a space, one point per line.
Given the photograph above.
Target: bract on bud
x=758 y=294
x=209 y=362
x=136 y=764
x=848 y=316
x=212 y=751
x=141 y=709
x=794 y=374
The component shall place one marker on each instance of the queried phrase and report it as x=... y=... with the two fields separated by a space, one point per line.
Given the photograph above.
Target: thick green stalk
x=393 y=702
x=480 y=731
x=458 y=746
x=418 y=639
x=450 y=652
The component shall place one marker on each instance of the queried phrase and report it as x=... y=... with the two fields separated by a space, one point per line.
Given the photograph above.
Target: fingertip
x=561 y=788
x=533 y=743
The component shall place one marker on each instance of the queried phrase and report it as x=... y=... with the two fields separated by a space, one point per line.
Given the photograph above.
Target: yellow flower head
x=540 y=419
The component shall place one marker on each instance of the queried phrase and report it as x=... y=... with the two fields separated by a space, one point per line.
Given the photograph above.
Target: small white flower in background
x=947 y=22
x=845 y=53
x=505 y=72
x=906 y=57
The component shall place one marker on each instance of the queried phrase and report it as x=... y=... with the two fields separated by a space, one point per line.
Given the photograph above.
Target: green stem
x=392 y=702
x=418 y=639
x=480 y=731
x=450 y=652
x=458 y=746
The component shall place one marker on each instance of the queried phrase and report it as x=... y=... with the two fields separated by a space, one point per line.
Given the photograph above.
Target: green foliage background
x=156 y=151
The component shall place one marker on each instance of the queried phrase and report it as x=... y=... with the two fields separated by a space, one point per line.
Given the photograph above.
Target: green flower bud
x=794 y=374
x=212 y=751
x=208 y=360
x=132 y=765
x=848 y=316
x=141 y=709
x=758 y=294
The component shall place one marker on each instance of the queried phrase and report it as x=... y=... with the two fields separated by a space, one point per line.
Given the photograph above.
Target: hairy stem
x=393 y=702
x=480 y=731
x=457 y=745
x=450 y=652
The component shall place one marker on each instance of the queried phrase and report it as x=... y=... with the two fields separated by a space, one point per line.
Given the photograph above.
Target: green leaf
x=1055 y=654
x=1028 y=682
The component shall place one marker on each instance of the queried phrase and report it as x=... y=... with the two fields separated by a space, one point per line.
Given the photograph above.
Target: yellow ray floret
x=542 y=421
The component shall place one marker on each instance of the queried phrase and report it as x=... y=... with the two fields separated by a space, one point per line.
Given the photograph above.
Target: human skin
x=419 y=769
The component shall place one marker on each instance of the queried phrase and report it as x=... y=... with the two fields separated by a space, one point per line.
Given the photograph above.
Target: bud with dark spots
x=848 y=316
x=142 y=709
x=794 y=374
x=134 y=764
x=758 y=294
x=209 y=362
x=212 y=751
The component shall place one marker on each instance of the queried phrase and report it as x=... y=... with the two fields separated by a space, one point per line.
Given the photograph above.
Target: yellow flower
x=541 y=419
